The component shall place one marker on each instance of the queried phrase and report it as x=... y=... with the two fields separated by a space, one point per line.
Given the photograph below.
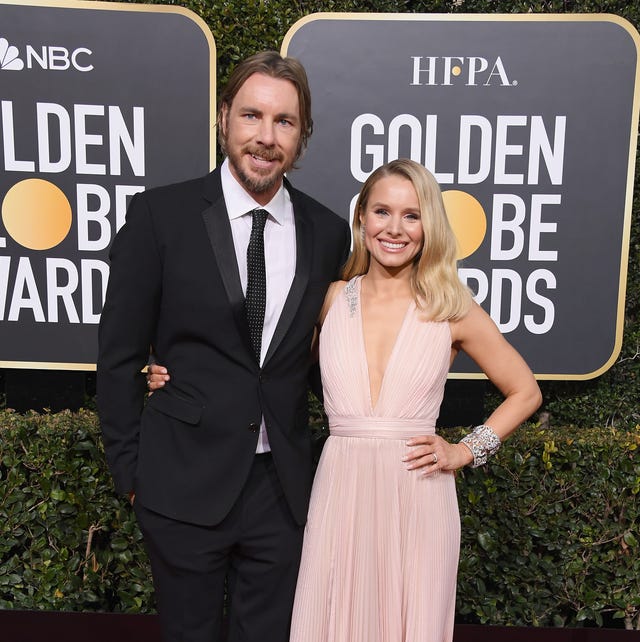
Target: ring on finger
x=435 y=458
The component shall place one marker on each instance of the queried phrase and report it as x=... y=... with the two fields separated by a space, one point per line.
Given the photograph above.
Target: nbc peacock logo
x=9 y=57
x=48 y=57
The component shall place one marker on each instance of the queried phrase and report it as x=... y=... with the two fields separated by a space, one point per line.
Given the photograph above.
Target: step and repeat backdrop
x=529 y=123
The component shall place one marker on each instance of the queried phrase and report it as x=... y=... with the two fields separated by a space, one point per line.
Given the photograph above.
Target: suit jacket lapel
x=216 y=221
x=304 y=247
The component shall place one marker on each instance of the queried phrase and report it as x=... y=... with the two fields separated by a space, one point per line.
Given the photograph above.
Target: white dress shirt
x=279 y=250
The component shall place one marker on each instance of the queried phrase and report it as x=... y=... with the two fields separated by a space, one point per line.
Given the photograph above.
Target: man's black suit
x=174 y=286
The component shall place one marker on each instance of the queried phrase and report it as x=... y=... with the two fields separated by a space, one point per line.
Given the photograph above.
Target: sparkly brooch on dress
x=352 y=296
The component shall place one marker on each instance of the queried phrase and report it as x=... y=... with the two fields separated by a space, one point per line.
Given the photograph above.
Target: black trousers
x=256 y=549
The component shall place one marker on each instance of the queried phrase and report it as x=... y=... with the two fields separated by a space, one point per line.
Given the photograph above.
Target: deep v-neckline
x=374 y=406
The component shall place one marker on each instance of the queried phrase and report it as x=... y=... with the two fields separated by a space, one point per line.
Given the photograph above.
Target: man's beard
x=256 y=183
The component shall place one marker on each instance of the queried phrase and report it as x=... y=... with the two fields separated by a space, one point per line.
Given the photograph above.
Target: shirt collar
x=239 y=202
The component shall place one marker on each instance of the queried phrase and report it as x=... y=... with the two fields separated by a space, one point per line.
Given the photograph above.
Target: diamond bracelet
x=482 y=442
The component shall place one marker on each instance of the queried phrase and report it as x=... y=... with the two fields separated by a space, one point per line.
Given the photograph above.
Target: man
x=219 y=459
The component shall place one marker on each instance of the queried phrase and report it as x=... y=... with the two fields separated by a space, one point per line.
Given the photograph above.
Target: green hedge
x=551 y=527
x=66 y=541
x=551 y=530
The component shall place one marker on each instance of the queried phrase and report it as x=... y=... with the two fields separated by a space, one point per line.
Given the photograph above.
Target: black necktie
x=256 y=280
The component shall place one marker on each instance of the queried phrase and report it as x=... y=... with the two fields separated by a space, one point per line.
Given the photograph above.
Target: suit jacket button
x=254 y=427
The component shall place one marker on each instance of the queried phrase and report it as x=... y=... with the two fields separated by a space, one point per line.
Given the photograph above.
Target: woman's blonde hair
x=434 y=279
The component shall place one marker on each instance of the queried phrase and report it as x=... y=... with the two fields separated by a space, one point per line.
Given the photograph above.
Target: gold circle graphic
x=467 y=219
x=36 y=214
x=455 y=70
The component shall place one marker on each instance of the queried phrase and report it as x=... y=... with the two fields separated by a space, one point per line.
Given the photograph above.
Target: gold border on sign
x=96 y=5
x=533 y=17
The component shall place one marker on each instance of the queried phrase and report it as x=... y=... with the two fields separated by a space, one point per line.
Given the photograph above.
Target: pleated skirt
x=381 y=548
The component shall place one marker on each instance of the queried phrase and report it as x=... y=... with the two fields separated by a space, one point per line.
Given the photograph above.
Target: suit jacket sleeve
x=126 y=332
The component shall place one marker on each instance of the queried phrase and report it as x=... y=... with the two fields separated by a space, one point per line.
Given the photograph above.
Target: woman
x=382 y=539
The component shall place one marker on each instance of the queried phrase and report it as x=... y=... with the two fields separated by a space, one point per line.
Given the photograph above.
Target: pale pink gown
x=381 y=544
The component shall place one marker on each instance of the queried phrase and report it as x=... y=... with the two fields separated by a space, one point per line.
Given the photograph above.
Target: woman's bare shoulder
x=334 y=290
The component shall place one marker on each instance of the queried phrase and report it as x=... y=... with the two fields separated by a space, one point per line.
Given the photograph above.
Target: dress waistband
x=378 y=427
